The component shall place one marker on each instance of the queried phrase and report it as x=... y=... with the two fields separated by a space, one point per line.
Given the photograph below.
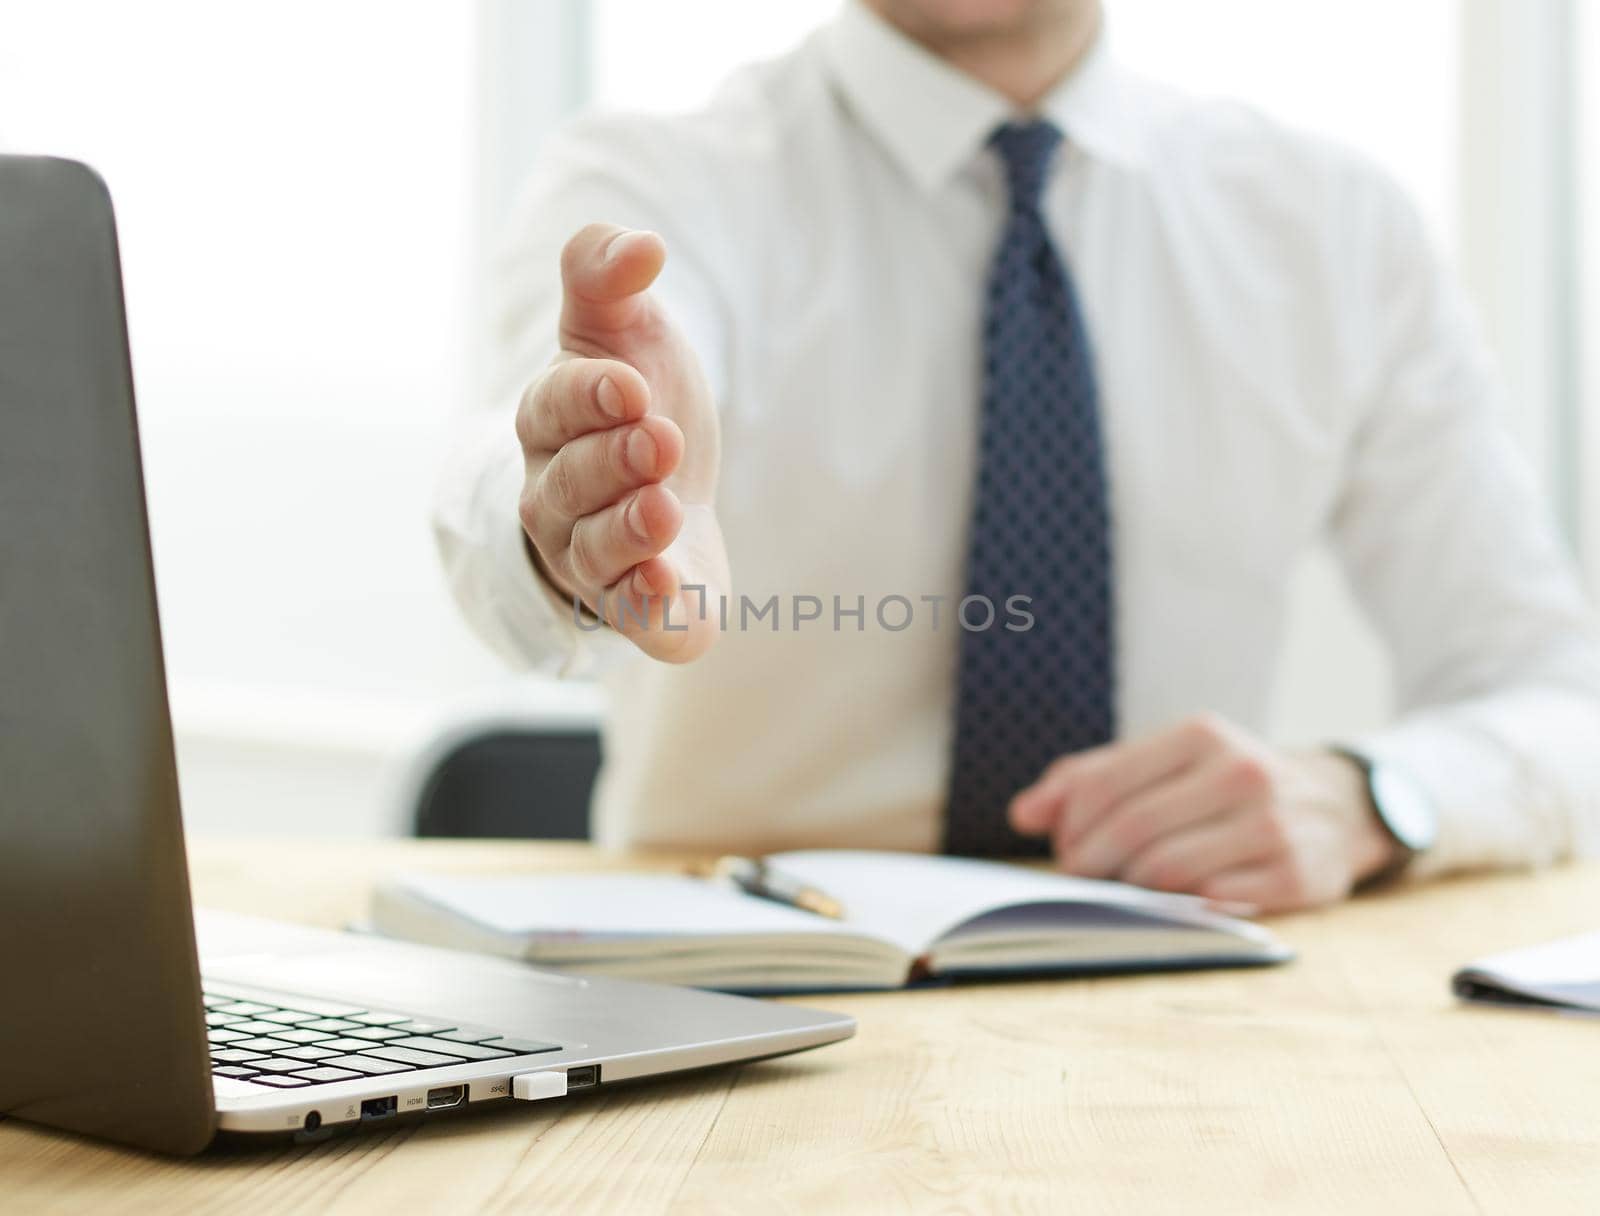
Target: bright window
x=294 y=186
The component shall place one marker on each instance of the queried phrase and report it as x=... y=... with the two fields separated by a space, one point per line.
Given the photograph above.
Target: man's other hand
x=1207 y=808
x=620 y=439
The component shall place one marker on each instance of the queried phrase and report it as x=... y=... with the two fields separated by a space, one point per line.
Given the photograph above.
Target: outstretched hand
x=620 y=439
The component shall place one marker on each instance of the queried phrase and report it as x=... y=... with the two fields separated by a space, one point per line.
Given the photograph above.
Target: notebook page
x=914 y=899
x=633 y=906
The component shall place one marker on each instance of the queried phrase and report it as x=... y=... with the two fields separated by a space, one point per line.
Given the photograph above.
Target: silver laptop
x=112 y=1021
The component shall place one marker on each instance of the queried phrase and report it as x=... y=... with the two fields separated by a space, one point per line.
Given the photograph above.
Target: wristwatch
x=1403 y=808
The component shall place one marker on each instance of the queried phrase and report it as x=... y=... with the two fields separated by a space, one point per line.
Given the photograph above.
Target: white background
x=306 y=191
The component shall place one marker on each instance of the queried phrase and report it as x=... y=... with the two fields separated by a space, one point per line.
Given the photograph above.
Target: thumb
x=604 y=270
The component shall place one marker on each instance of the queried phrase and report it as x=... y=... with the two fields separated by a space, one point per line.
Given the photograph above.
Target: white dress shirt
x=1280 y=359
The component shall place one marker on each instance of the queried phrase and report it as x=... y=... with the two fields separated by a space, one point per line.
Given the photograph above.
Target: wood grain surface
x=1349 y=1081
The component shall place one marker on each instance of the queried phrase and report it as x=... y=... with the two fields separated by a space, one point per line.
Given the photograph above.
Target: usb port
x=586 y=1077
x=379 y=1108
x=446 y=1096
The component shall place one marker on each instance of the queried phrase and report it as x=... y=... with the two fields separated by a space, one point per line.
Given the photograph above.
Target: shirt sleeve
x=1443 y=534
x=615 y=170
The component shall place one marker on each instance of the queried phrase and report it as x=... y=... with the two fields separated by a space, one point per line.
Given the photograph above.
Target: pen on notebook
x=754 y=876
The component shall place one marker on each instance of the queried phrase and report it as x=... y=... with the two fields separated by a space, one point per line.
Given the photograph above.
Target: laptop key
x=235 y=1055
x=224 y=1036
x=277 y=1064
x=233 y=1070
x=410 y=1055
x=269 y=1046
x=320 y=1009
x=301 y=1035
x=345 y=1044
x=468 y=1036
x=307 y=1053
x=330 y=1024
x=463 y=1051
x=369 y=1064
x=254 y=1027
x=523 y=1047
x=416 y=1027
x=244 y=1008
x=280 y=1082
x=216 y=1017
x=211 y=1002
x=376 y=1033
x=319 y=1075
x=287 y=1016
x=377 y=1018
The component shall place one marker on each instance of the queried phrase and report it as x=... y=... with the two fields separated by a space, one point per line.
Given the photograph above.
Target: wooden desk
x=1346 y=1082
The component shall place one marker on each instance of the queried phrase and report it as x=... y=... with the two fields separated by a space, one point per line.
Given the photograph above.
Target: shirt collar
x=934 y=119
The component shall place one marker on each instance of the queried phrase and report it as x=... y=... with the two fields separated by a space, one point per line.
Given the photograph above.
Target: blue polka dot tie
x=1040 y=528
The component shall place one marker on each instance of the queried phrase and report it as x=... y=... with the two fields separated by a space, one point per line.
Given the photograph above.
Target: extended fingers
x=608 y=543
x=594 y=470
x=574 y=397
x=641 y=599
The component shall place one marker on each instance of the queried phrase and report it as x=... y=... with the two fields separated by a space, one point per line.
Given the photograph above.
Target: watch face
x=1406 y=810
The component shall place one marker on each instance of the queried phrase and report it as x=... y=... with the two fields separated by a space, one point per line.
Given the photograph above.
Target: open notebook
x=907 y=918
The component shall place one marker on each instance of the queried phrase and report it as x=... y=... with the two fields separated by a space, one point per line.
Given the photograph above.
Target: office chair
x=521 y=767
x=512 y=783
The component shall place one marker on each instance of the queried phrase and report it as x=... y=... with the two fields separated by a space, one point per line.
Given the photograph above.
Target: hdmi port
x=446 y=1096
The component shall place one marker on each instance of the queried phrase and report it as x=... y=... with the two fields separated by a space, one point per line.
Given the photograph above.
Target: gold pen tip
x=822 y=905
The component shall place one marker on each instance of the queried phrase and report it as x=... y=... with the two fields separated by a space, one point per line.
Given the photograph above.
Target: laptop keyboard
x=290 y=1048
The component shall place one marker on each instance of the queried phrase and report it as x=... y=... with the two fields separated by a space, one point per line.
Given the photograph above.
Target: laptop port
x=446 y=1096
x=379 y=1108
x=586 y=1077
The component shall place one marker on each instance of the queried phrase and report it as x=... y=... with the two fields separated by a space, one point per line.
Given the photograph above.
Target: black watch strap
x=1379 y=795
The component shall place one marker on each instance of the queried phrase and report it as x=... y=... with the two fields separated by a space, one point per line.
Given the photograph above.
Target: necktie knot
x=1025 y=150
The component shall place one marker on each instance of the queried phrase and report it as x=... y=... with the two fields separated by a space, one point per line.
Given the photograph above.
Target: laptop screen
x=101 y=1028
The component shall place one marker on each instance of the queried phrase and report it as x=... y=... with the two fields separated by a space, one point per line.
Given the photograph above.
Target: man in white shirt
x=815 y=345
